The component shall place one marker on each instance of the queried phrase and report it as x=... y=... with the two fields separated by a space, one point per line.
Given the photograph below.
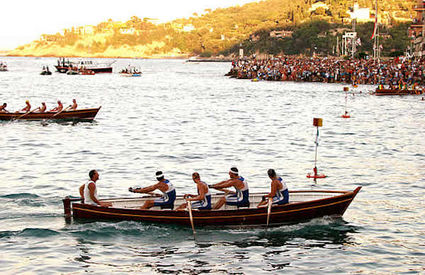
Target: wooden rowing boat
x=304 y=205
x=82 y=114
x=382 y=92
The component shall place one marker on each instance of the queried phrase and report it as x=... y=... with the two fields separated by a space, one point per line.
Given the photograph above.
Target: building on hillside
x=281 y=34
x=182 y=28
x=188 y=28
x=87 y=30
x=417 y=30
x=317 y=5
x=127 y=30
x=360 y=14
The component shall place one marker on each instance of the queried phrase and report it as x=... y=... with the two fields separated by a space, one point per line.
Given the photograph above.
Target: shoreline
x=186 y=57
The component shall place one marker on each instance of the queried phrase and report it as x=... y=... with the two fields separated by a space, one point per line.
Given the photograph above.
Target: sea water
x=183 y=117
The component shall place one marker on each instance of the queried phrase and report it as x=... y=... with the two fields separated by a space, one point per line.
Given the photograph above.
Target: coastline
x=187 y=57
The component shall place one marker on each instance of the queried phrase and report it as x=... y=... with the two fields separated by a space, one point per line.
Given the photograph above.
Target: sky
x=22 y=21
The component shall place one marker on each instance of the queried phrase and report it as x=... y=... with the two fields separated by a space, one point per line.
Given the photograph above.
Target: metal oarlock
x=317 y=122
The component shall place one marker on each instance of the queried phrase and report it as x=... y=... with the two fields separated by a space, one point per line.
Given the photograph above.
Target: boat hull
x=62 y=69
x=83 y=114
x=288 y=213
x=390 y=92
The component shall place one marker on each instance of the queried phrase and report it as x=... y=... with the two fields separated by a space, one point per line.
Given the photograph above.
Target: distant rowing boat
x=304 y=205
x=82 y=114
x=382 y=92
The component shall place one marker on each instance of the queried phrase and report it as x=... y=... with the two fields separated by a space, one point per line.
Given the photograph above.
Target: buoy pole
x=346 y=115
x=317 y=122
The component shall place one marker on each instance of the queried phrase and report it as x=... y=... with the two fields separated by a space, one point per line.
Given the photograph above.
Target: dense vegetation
x=315 y=26
x=320 y=37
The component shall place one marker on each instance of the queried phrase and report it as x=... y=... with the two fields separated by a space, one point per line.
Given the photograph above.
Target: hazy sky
x=22 y=21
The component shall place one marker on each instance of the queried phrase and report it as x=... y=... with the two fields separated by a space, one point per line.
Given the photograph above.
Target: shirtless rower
x=3 y=108
x=41 y=109
x=168 y=193
x=27 y=108
x=241 y=198
x=201 y=201
x=88 y=191
x=72 y=107
x=57 y=109
x=279 y=192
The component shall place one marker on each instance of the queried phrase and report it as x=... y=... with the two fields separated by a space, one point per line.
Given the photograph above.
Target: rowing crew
x=42 y=108
x=202 y=200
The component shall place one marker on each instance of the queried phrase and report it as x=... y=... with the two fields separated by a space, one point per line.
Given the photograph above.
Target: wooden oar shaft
x=189 y=208
x=21 y=116
x=269 y=210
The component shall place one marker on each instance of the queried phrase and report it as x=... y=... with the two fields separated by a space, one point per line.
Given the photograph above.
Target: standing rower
x=168 y=193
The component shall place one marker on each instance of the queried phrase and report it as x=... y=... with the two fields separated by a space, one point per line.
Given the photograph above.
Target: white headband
x=160 y=175
x=233 y=172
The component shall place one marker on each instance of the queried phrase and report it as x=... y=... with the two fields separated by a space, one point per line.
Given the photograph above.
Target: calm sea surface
x=183 y=117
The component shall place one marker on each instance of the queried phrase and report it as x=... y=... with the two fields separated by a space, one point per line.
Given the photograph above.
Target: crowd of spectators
x=394 y=72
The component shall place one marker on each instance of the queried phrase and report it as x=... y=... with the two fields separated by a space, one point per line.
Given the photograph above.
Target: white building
x=360 y=14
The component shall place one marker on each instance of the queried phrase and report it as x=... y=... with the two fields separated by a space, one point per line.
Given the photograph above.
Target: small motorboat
x=303 y=205
x=3 y=67
x=46 y=71
x=131 y=71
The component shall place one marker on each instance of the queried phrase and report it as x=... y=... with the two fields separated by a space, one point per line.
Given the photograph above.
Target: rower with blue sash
x=168 y=193
x=202 y=201
x=240 y=198
x=279 y=191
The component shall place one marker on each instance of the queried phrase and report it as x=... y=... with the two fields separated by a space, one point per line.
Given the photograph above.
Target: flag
x=375 y=27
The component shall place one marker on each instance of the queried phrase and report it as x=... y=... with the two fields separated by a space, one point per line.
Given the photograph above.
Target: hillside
x=213 y=32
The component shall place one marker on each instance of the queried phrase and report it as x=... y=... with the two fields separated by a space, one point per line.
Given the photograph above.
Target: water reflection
x=172 y=249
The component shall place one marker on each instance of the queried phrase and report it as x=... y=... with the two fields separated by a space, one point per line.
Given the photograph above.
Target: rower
x=202 y=201
x=59 y=108
x=3 y=108
x=240 y=198
x=27 y=108
x=168 y=193
x=72 y=107
x=42 y=108
x=88 y=191
x=279 y=192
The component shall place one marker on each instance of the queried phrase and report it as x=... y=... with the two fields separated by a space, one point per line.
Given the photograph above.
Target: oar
x=57 y=113
x=45 y=121
x=21 y=116
x=189 y=208
x=269 y=210
x=222 y=190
